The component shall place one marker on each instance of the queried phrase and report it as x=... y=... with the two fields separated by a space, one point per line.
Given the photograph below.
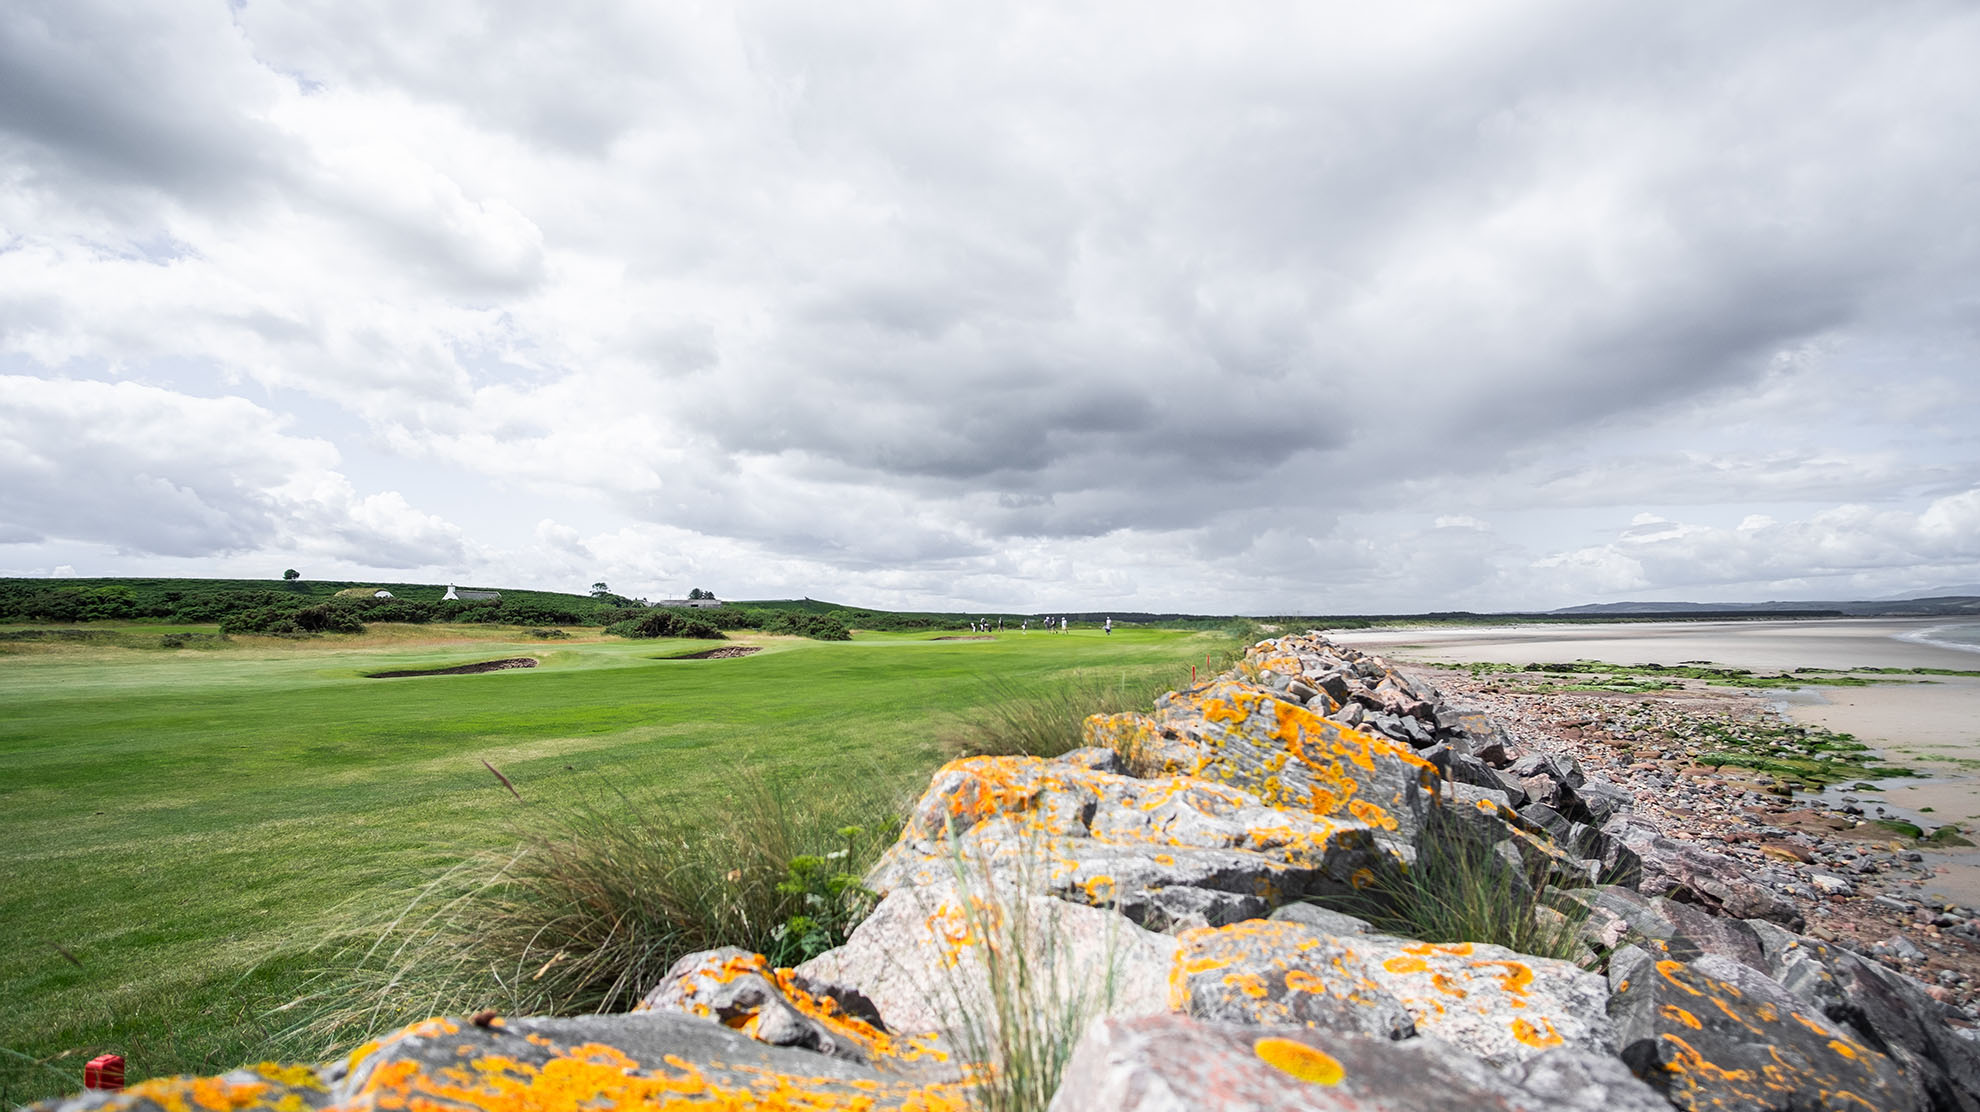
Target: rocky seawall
x=1199 y=905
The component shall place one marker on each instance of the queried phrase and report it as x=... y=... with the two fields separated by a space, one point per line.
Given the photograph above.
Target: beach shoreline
x=1927 y=723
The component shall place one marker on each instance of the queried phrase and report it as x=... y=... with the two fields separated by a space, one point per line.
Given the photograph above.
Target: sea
x=1963 y=637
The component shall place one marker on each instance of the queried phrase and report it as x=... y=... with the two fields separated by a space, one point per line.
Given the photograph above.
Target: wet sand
x=1929 y=723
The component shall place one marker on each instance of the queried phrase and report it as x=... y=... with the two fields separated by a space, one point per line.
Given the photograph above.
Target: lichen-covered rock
x=1497 y=1004
x=1275 y=972
x=743 y=992
x=1887 y=1009
x=926 y=955
x=1177 y=1064
x=1177 y=852
x=268 y=1087
x=1716 y=1036
x=652 y=1061
x=657 y=1062
x=1289 y=757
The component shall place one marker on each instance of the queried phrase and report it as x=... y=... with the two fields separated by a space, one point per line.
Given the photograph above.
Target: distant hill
x=1935 y=607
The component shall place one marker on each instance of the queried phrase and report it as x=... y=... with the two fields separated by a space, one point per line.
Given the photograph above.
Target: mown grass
x=182 y=826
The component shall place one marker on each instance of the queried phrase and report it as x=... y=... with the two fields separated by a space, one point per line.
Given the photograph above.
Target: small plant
x=831 y=899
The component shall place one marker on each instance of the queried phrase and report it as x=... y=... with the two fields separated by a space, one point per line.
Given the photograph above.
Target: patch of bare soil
x=460 y=669
x=726 y=652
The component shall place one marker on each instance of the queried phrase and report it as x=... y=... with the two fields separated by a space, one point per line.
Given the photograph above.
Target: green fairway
x=181 y=824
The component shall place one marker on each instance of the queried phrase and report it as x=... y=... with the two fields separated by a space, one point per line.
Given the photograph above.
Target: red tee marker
x=105 y=1071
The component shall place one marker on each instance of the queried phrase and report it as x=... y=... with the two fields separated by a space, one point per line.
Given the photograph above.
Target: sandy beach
x=1929 y=723
x=1840 y=643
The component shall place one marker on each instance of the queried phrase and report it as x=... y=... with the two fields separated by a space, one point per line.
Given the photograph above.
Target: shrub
x=818 y=627
x=328 y=617
x=666 y=623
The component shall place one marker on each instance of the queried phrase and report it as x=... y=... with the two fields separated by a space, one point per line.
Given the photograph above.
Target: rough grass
x=1460 y=890
x=187 y=825
x=1043 y=716
x=1038 y=998
x=603 y=891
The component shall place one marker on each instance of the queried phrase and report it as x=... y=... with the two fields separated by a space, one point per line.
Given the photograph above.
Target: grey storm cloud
x=963 y=293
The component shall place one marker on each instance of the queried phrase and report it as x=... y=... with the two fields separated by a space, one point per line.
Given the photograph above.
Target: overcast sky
x=1319 y=307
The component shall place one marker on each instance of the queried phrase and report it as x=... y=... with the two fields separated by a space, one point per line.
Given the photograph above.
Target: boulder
x=1890 y=1011
x=1499 y=1005
x=1572 y=1080
x=1289 y=757
x=1674 y=930
x=653 y=1060
x=1264 y=972
x=1690 y=874
x=1713 y=1035
x=1169 y=854
x=927 y=957
x=1178 y=1064
x=268 y=1087
x=741 y=991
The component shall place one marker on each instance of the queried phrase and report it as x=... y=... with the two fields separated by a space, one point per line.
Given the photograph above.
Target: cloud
x=1850 y=547
x=975 y=305
x=151 y=472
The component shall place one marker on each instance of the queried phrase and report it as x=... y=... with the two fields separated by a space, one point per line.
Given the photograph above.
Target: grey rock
x=1178 y=1064
x=1578 y=1081
x=1690 y=874
x=1714 y=1035
x=1321 y=919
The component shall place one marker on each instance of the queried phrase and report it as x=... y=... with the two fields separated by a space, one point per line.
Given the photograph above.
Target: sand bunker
x=460 y=669
x=978 y=637
x=724 y=653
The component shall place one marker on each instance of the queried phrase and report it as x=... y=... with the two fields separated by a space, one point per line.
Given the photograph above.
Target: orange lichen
x=1540 y=1037
x=591 y=1076
x=1514 y=976
x=1250 y=984
x=1686 y=1059
x=1678 y=1015
x=1299 y=1060
x=1299 y=980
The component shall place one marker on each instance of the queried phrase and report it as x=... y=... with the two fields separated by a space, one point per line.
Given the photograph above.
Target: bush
x=796 y=623
x=605 y=892
x=328 y=617
x=666 y=623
